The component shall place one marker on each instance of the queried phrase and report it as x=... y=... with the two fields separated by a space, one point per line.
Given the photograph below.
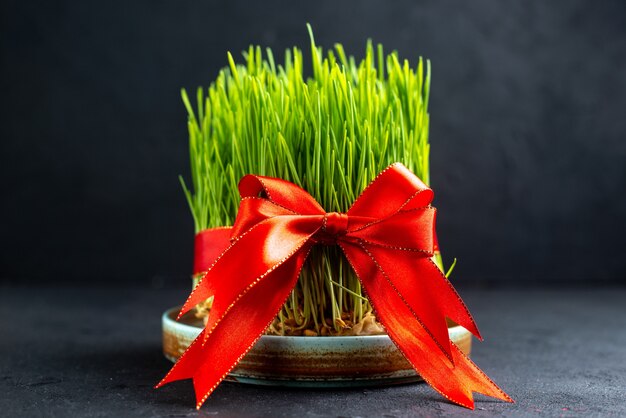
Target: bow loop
x=394 y=189
x=253 y=210
x=406 y=230
x=280 y=192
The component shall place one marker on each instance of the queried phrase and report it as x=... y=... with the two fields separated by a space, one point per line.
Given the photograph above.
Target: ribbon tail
x=456 y=381
x=425 y=289
x=237 y=332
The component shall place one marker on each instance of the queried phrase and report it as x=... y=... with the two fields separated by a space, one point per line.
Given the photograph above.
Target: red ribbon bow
x=388 y=238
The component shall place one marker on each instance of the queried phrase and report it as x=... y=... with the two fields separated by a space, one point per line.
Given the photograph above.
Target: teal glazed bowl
x=314 y=362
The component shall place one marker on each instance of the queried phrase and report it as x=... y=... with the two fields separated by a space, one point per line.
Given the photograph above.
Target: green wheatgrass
x=330 y=133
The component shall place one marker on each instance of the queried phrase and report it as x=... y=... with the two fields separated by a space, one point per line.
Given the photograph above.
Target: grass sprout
x=331 y=133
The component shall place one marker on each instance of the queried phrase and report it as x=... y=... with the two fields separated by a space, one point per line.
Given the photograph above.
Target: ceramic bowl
x=327 y=362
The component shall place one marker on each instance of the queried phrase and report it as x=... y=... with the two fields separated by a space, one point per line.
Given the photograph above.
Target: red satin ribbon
x=388 y=237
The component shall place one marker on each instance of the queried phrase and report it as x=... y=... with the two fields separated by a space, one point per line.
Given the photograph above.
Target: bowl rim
x=169 y=318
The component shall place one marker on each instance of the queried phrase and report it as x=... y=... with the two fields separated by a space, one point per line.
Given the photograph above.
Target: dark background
x=528 y=129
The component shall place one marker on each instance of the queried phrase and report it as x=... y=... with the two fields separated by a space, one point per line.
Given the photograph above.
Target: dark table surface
x=94 y=351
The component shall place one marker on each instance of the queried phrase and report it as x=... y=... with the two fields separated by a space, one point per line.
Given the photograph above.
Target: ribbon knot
x=251 y=268
x=334 y=225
